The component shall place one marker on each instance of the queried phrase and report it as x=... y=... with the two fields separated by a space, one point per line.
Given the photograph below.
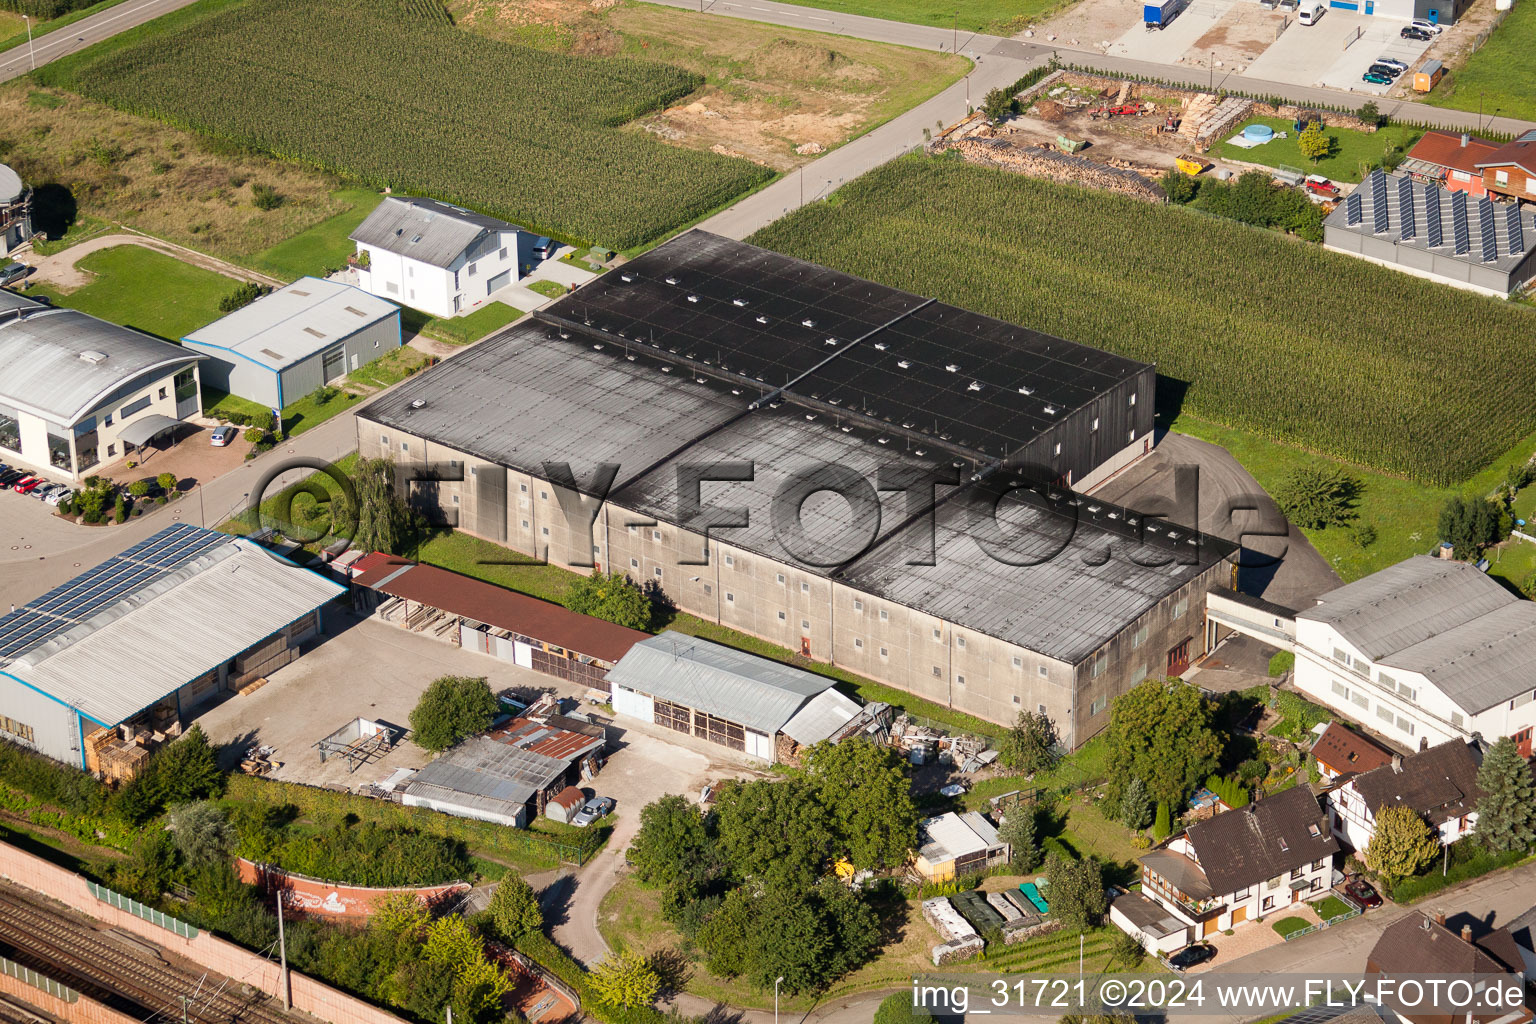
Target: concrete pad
x=1382 y=37
x=1304 y=53
x=1169 y=44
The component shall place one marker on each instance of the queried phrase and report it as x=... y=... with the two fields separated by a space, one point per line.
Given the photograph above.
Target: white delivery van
x=1309 y=13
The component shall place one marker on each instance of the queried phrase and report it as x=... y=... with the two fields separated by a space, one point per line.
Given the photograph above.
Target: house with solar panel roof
x=98 y=670
x=865 y=476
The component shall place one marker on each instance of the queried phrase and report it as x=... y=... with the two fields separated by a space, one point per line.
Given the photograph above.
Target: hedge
x=1480 y=863
x=542 y=950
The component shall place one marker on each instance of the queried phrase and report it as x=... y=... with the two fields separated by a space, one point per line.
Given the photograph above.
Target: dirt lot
x=769 y=91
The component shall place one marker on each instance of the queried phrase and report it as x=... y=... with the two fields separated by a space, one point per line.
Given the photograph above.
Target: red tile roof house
x=1341 y=752
x=1450 y=159
x=1245 y=864
x=1510 y=170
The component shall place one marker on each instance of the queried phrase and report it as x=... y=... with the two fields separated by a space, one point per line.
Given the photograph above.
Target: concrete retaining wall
x=226 y=958
x=317 y=898
x=81 y=1010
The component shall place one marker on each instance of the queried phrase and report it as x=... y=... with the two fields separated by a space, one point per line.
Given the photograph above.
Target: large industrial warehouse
x=885 y=478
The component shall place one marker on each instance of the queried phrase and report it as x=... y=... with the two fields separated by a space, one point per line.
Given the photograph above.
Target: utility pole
x=776 y=998
x=184 y=1009
x=282 y=947
x=1213 y=72
x=802 y=184
x=954 y=46
x=31 y=55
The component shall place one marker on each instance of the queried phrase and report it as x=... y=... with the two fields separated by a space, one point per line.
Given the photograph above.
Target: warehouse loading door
x=334 y=363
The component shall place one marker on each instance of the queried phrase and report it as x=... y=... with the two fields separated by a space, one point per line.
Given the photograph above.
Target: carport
x=138 y=434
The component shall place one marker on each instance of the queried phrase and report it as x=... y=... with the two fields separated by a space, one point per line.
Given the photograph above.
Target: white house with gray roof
x=77 y=391
x=1422 y=652
x=294 y=341
x=710 y=691
x=436 y=257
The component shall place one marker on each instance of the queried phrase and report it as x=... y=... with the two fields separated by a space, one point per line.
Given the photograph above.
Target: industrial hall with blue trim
x=99 y=670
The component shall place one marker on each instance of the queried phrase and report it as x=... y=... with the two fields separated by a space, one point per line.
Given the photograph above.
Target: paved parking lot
x=1381 y=37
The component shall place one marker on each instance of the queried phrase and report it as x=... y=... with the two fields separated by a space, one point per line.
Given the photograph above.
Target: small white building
x=1422 y=652
x=436 y=257
x=1243 y=865
x=1439 y=784
x=77 y=392
x=712 y=692
x=953 y=844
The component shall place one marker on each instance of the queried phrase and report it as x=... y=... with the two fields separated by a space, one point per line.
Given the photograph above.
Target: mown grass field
x=1281 y=339
x=1351 y=149
x=1498 y=76
x=524 y=134
x=147 y=290
x=323 y=246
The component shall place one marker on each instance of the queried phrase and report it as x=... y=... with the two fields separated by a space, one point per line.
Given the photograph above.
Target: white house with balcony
x=1423 y=652
x=1243 y=865
x=436 y=257
x=1438 y=784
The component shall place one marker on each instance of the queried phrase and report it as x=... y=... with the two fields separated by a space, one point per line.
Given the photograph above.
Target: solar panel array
x=1459 y=226
x=1407 y=226
x=1435 y=235
x=1488 y=238
x=1514 y=243
x=1380 y=214
x=71 y=603
x=840 y=344
x=1353 y=210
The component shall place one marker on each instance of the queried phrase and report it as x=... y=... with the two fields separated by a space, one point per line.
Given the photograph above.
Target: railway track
x=87 y=959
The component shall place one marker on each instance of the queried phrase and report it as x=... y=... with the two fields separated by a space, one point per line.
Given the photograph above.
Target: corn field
x=394 y=96
x=1270 y=334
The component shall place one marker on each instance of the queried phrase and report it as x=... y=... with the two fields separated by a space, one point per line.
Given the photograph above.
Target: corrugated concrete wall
x=84 y=1010
x=309 y=995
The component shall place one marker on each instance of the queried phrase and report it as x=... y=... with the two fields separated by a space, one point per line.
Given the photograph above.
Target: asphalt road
x=62 y=42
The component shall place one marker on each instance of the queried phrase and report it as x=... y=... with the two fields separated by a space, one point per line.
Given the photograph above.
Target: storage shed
x=296 y=340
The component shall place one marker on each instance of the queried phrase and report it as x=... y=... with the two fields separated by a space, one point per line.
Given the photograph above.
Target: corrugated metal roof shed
x=139 y=650
x=826 y=713
x=730 y=684
x=547 y=740
x=486 y=775
x=294 y=322
x=59 y=363
x=433 y=232
x=1444 y=619
x=947 y=837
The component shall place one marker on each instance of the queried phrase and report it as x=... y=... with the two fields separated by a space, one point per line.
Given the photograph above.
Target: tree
x=1313 y=143
x=1030 y=746
x=1370 y=113
x=1471 y=524
x=1126 y=949
x=611 y=596
x=401 y=913
x=452 y=943
x=382 y=520
x=864 y=788
x=166 y=482
x=1135 y=806
x=1316 y=496
x=1019 y=832
x=672 y=844
x=202 y=832
x=625 y=979
x=998 y=104
x=452 y=708
x=515 y=909
x=727 y=937
x=242 y=296
x=1403 y=844
x=478 y=988
x=1506 y=812
x=1162 y=825
x=1076 y=891
x=1162 y=732
x=1181 y=188
x=774 y=833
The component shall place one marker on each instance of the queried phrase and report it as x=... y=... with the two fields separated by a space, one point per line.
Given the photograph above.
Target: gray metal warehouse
x=777 y=380
x=295 y=340
x=1422 y=229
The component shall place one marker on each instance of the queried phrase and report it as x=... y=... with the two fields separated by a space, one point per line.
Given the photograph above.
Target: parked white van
x=1309 y=14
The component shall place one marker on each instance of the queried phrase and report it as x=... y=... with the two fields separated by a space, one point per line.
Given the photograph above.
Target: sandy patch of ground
x=1244 y=32
x=1092 y=23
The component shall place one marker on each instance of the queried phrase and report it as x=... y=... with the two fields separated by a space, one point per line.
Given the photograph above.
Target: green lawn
x=1289 y=925
x=1330 y=907
x=305 y=414
x=1000 y=17
x=1405 y=514
x=1351 y=148
x=1497 y=79
x=390 y=368
x=83 y=229
x=323 y=247
x=553 y=289
x=1514 y=561
x=459 y=330
x=147 y=290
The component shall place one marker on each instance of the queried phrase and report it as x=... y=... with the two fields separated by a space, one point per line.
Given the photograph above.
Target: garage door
x=501 y=280
x=1239 y=915
x=1208 y=928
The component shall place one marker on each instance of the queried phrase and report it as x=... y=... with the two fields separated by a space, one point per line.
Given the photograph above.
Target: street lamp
x=776 y=998
x=31 y=56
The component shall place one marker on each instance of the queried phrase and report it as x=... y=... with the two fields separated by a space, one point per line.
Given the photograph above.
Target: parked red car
x=1321 y=186
x=1362 y=893
x=27 y=484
